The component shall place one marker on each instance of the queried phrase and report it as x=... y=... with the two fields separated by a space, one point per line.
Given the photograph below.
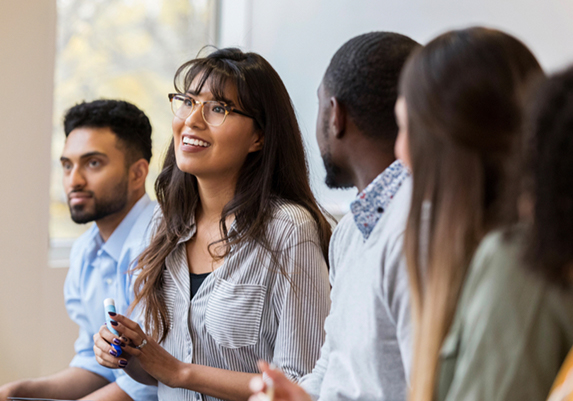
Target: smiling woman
x=236 y=270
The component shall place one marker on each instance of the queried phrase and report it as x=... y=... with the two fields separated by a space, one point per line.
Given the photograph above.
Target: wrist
x=183 y=377
x=14 y=389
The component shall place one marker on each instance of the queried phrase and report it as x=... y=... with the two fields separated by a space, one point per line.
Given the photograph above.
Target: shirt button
x=109 y=281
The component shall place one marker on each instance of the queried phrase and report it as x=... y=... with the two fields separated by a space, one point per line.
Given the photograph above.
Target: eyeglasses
x=214 y=112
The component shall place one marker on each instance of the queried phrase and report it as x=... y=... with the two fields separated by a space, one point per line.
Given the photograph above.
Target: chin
x=189 y=168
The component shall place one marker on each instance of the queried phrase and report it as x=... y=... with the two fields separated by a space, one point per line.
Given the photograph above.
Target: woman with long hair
x=548 y=191
x=460 y=117
x=235 y=271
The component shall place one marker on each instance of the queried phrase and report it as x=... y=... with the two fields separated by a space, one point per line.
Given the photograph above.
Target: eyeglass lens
x=213 y=111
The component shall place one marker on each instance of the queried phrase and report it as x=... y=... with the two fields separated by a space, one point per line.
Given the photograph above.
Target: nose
x=195 y=118
x=76 y=179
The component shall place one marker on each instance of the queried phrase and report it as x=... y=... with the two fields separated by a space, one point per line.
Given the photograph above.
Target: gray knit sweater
x=367 y=351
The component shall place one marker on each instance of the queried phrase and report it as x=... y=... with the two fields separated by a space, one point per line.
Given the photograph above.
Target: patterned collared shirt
x=371 y=203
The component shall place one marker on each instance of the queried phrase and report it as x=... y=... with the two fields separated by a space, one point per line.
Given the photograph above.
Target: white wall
x=299 y=37
x=35 y=336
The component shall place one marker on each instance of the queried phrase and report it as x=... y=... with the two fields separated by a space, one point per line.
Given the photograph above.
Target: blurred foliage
x=122 y=49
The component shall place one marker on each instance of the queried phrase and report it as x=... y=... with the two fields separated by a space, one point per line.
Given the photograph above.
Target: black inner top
x=196 y=281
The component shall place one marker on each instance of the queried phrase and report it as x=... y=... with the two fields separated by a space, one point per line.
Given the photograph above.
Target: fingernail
x=113 y=352
x=256 y=384
x=122 y=363
x=124 y=339
x=112 y=313
x=113 y=323
x=116 y=341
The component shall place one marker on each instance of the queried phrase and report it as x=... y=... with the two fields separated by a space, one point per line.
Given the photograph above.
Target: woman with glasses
x=235 y=271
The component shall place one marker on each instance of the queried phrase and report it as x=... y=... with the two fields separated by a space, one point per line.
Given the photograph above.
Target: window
x=120 y=49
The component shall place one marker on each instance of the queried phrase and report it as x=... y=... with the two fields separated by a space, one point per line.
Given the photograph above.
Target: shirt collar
x=114 y=243
x=371 y=203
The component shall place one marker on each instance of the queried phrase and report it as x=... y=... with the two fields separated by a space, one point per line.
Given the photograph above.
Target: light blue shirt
x=98 y=270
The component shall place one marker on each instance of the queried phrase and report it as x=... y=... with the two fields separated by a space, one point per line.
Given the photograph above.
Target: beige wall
x=36 y=337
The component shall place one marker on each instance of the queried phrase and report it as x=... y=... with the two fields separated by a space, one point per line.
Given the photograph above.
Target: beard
x=103 y=206
x=333 y=174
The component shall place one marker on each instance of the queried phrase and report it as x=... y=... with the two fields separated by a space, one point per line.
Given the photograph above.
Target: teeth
x=195 y=142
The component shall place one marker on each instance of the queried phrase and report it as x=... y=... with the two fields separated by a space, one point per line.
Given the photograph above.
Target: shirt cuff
x=89 y=363
x=135 y=390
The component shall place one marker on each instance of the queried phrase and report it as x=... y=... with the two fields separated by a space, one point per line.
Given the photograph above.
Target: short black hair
x=549 y=169
x=128 y=122
x=363 y=76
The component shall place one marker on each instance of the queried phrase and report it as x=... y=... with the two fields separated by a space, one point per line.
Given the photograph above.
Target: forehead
x=86 y=140
x=322 y=91
x=214 y=88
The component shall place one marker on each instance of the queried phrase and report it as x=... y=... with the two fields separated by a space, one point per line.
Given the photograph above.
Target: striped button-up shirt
x=253 y=306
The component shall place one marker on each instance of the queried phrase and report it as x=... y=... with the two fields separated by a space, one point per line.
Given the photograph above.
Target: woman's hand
x=152 y=357
x=283 y=389
x=105 y=354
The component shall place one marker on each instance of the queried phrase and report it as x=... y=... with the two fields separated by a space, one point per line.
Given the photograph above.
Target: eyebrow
x=229 y=102
x=85 y=156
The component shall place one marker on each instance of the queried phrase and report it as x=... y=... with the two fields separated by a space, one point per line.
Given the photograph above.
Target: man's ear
x=138 y=173
x=338 y=118
x=258 y=142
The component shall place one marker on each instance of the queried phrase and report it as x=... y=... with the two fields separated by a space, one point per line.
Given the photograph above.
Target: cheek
x=320 y=133
x=401 y=148
x=177 y=126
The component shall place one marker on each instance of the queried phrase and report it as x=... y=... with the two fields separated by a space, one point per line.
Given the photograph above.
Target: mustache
x=78 y=191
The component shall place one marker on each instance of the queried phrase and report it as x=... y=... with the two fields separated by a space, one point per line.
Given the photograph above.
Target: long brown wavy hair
x=463 y=95
x=278 y=171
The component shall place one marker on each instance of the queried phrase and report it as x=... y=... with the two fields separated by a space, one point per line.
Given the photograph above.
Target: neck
x=108 y=224
x=214 y=194
x=369 y=164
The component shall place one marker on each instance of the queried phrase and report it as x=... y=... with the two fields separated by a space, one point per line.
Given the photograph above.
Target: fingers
x=257 y=385
x=281 y=387
x=105 y=354
x=275 y=375
x=130 y=324
x=106 y=334
x=130 y=331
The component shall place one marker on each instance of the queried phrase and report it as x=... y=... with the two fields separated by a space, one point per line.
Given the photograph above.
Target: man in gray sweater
x=367 y=351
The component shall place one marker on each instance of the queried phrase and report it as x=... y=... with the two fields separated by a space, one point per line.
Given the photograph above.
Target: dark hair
x=278 y=171
x=463 y=94
x=549 y=167
x=128 y=123
x=363 y=76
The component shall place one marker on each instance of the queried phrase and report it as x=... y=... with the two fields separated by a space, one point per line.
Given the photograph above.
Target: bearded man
x=105 y=162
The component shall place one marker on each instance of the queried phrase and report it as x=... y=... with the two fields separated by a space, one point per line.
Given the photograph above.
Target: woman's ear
x=138 y=173
x=259 y=140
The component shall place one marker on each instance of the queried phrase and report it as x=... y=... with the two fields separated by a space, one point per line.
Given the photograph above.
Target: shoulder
x=82 y=242
x=140 y=233
x=497 y=281
x=345 y=229
x=498 y=254
x=288 y=218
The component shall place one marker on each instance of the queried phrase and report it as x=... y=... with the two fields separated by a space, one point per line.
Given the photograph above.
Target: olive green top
x=511 y=332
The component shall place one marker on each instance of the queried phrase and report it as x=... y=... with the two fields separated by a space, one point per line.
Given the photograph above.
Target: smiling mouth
x=195 y=142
